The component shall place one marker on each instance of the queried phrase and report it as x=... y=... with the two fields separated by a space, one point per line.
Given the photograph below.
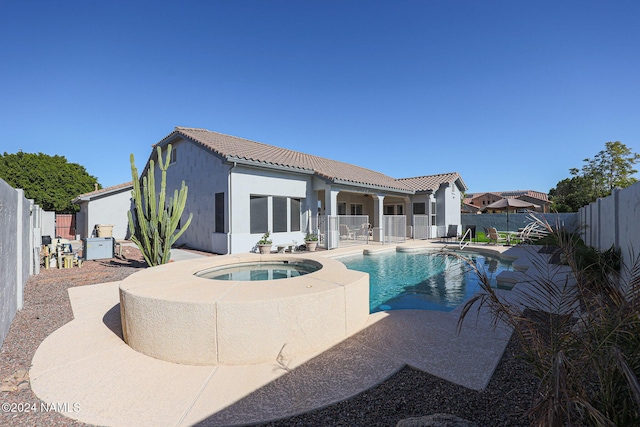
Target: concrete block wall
x=20 y=222
x=613 y=221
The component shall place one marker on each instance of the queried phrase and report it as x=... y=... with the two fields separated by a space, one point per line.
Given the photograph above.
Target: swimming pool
x=424 y=280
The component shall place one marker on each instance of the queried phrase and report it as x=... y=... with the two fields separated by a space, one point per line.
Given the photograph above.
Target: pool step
x=508 y=279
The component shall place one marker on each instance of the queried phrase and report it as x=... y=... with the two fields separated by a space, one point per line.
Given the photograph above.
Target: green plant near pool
x=311 y=237
x=583 y=347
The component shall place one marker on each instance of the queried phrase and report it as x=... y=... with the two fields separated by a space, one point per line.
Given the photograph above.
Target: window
x=219 y=212
x=258 y=213
x=279 y=214
x=388 y=210
x=433 y=213
x=295 y=214
x=342 y=208
x=419 y=208
x=356 y=208
x=286 y=214
x=174 y=155
x=399 y=209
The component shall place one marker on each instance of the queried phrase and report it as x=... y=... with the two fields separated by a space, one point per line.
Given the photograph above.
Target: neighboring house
x=240 y=189
x=474 y=202
x=470 y=209
x=108 y=206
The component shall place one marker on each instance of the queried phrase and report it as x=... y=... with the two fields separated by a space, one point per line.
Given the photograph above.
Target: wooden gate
x=66 y=226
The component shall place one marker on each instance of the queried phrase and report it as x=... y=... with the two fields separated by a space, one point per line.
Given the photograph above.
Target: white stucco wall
x=448 y=207
x=48 y=227
x=109 y=209
x=245 y=182
x=205 y=175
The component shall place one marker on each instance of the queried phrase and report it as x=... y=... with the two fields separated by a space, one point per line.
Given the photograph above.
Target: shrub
x=579 y=325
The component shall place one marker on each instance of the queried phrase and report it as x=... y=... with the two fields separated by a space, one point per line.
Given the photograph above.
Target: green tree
x=610 y=168
x=570 y=194
x=51 y=181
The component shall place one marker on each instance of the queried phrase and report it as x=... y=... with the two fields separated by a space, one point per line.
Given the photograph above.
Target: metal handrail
x=462 y=239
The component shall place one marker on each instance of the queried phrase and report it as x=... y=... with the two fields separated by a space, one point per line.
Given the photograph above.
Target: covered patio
x=348 y=216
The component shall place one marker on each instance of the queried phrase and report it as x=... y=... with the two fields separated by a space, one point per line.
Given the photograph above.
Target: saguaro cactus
x=154 y=227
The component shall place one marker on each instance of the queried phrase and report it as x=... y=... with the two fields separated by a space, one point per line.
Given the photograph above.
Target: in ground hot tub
x=261 y=270
x=175 y=313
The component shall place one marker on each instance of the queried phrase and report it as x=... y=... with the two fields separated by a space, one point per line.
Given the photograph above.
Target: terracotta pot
x=311 y=245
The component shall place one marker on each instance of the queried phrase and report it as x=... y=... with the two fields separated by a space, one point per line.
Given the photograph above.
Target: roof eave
x=79 y=200
x=371 y=186
x=264 y=165
x=461 y=184
x=102 y=194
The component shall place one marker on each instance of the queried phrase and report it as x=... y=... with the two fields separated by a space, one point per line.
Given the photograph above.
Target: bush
x=579 y=325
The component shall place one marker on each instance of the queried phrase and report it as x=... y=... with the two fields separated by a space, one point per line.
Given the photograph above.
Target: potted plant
x=311 y=241
x=264 y=244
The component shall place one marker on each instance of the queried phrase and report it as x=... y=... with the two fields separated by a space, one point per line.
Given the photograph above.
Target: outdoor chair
x=452 y=232
x=345 y=233
x=531 y=232
x=364 y=231
x=495 y=237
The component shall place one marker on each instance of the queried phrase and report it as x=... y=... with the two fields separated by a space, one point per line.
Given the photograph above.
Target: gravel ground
x=408 y=393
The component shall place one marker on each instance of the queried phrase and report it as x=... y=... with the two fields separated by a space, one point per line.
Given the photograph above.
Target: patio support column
x=378 y=213
x=331 y=202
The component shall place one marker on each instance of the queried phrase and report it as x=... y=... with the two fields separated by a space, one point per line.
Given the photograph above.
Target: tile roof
x=231 y=148
x=87 y=196
x=432 y=182
x=512 y=194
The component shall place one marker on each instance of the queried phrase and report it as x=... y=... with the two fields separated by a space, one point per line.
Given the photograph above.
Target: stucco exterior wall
x=543 y=206
x=48 y=227
x=245 y=182
x=448 y=207
x=205 y=175
x=426 y=199
x=110 y=209
x=355 y=198
x=485 y=199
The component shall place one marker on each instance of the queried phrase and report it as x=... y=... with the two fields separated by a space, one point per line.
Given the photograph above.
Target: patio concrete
x=87 y=363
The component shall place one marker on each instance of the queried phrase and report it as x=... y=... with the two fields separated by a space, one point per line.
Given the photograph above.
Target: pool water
x=259 y=271
x=423 y=281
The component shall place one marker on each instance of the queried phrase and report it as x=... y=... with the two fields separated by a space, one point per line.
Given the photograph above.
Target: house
x=475 y=202
x=107 y=206
x=240 y=189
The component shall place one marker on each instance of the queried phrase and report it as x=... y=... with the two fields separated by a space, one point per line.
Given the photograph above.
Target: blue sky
x=510 y=94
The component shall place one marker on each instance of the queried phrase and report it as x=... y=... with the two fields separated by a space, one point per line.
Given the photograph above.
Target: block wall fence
x=614 y=221
x=20 y=238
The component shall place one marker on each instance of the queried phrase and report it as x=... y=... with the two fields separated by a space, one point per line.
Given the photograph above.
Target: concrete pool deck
x=86 y=362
